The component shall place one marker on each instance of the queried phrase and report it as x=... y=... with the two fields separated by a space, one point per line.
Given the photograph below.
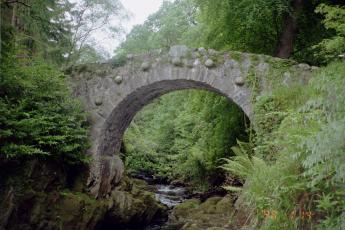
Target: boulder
x=145 y=66
x=239 y=81
x=209 y=63
x=202 y=51
x=118 y=79
x=214 y=213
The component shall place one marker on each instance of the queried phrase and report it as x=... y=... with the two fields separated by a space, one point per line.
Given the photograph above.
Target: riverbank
x=187 y=209
x=39 y=194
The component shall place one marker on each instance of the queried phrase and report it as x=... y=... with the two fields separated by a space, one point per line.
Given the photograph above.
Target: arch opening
x=109 y=165
x=181 y=137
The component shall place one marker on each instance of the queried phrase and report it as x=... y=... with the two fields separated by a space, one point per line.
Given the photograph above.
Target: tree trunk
x=14 y=15
x=287 y=37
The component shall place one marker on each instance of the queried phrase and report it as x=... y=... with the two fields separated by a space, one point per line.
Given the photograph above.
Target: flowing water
x=170 y=195
x=167 y=194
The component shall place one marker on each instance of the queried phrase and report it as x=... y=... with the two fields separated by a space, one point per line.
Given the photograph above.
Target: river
x=170 y=196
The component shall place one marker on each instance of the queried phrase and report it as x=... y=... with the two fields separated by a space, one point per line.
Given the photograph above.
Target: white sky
x=138 y=11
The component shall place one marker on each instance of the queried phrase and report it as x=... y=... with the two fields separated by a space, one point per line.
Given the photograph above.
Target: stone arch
x=111 y=167
x=121 y=116
x=113 y=95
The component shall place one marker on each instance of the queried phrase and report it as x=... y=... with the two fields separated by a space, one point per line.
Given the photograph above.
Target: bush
x=306 y=173
x=333 y=48
x=38 y=115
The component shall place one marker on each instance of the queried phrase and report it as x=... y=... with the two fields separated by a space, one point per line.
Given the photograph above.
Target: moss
x=43 y=196
x=214 y=213
x=237 y=56
x=252 y=81
x=225 y=205
x=277 y=68
x=189 y=54
x=219 y=59
x=79 y=209
x=254 y=59
x=189 y=204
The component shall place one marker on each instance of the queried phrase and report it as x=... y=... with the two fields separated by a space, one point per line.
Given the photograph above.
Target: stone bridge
x=114 y=92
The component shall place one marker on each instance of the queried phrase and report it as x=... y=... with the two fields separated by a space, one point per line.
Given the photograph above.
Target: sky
x=138 y=11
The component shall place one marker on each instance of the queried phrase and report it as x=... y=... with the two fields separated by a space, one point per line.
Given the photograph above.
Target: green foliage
x=270 y=109
x=39 y=28
x=59 y=31
x=90 y=17
x=332 y=48
x=184 y=135
x=174 y=23
x=305 y=143
x=324 y=151
x=38 y=116
x=298 y=159
x=243 y=25
x=242 y=164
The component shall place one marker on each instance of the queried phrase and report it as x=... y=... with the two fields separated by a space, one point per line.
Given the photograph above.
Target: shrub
x=38 y=115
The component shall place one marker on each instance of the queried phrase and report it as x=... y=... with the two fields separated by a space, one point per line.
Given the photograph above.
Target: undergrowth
x=301 y=137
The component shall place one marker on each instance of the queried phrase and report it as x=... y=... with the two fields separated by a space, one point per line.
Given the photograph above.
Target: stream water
x=167 y=194
x=174 y=194
x=170 y=195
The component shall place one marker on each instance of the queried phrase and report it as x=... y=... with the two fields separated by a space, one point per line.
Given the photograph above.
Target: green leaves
x=245 y=25
x=184 y=135
x=174 y=23
x=242 y=165
x=306 y=131
x=39 y=118
x=332 y=48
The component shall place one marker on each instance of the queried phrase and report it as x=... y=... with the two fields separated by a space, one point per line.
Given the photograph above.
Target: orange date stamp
x=272 y=214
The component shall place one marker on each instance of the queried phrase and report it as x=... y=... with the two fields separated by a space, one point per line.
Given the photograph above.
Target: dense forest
x=286 y=165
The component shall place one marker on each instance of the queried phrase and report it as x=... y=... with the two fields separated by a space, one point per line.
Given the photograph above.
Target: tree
x=39 y=28
x=289 y=30
x=174 y=23
x=90 y=17
x=332 y=48
x=246 y=25
x=38 y=116
x=282 y=28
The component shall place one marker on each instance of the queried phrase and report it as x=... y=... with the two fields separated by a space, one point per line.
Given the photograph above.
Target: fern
x=242 y=165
